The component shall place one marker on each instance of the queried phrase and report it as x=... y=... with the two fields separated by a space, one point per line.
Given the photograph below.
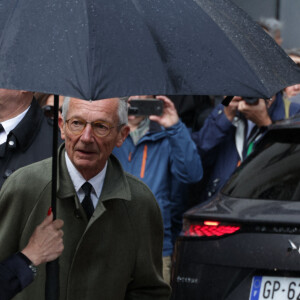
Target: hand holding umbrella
x=46 y=242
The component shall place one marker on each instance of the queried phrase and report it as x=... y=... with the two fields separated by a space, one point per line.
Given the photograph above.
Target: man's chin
x=84 y=164
x=84 y=159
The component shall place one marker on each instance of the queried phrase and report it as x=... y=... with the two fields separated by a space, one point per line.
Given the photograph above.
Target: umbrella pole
x=52 y=268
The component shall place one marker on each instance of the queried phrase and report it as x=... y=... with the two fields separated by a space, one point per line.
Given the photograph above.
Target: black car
x=245 y=243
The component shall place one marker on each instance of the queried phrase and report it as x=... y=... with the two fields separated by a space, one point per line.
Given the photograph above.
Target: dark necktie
x=87 y=203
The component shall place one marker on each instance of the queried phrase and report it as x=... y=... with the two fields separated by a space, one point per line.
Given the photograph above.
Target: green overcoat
x=116 y=255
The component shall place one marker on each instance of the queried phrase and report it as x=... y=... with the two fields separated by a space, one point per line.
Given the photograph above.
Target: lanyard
x=250 y=148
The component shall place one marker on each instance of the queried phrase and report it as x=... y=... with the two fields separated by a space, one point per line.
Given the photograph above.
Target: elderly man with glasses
x=113 y=229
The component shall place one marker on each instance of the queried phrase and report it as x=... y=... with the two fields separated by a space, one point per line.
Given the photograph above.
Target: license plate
x=275 y=288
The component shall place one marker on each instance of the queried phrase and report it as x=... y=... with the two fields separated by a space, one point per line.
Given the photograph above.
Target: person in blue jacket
x=19 y=270
x=230 y=133
x=157 y=149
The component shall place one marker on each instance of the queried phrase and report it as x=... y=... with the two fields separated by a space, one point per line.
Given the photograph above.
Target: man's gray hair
x=122 y=109
x=271 y=25
x=65 y=108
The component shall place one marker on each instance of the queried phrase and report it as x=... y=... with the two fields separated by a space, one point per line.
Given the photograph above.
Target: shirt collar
x=11 y=124
x=25 y=132
x=78 y=180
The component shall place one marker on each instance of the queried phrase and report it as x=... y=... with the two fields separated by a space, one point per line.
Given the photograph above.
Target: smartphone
x=145 y=107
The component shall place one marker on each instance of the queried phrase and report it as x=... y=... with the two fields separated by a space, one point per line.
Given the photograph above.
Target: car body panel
x=231 y=209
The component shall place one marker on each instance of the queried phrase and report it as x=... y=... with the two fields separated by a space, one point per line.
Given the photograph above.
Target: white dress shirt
x=10 y=124
x=240 y=134
x=78 y=180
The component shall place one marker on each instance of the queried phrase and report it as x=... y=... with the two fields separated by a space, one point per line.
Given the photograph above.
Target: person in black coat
x=18 y=271
x=25 y=133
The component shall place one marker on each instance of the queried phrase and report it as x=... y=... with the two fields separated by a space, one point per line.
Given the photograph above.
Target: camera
x=251 y=101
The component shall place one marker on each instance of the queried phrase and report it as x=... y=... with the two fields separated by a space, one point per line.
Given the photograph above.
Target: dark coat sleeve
x=185 y=161
x=15 y=275
x=216 y=131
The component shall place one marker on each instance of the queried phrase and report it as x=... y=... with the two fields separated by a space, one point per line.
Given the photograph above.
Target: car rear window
x=273 y=173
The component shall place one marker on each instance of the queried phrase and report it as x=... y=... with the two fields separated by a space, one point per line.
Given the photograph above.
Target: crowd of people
x=123 y=185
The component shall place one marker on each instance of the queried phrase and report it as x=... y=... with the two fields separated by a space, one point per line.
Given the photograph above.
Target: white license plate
x=275 y=288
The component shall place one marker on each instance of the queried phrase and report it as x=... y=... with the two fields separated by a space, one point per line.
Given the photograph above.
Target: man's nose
x=87 y=134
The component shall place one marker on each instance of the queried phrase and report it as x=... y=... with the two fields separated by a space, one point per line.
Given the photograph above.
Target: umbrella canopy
x=99 y=49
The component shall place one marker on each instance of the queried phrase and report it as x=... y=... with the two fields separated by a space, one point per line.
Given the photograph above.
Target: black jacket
x=27 y=143
x=15 y=275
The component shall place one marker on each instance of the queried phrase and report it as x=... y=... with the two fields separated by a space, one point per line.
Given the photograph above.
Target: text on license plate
x=275 y=288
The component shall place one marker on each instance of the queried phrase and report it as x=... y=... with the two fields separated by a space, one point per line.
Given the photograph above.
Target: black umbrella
x=99 y=49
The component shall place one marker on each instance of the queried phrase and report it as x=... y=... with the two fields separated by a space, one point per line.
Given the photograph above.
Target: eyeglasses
x=100 y=128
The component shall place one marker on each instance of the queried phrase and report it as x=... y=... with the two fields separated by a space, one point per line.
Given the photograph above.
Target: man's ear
x=124 y=131
x=61 y=127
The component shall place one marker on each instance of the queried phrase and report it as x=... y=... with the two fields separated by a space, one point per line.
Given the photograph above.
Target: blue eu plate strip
x=255 y=289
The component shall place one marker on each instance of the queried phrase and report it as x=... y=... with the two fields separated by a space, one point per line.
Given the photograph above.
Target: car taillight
x=209 y=229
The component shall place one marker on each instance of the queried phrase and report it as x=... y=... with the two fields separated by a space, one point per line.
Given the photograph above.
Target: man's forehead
x=111 y=104
x=95 y=108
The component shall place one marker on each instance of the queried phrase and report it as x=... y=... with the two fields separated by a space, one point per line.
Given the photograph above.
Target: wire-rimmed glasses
x=100 y=128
